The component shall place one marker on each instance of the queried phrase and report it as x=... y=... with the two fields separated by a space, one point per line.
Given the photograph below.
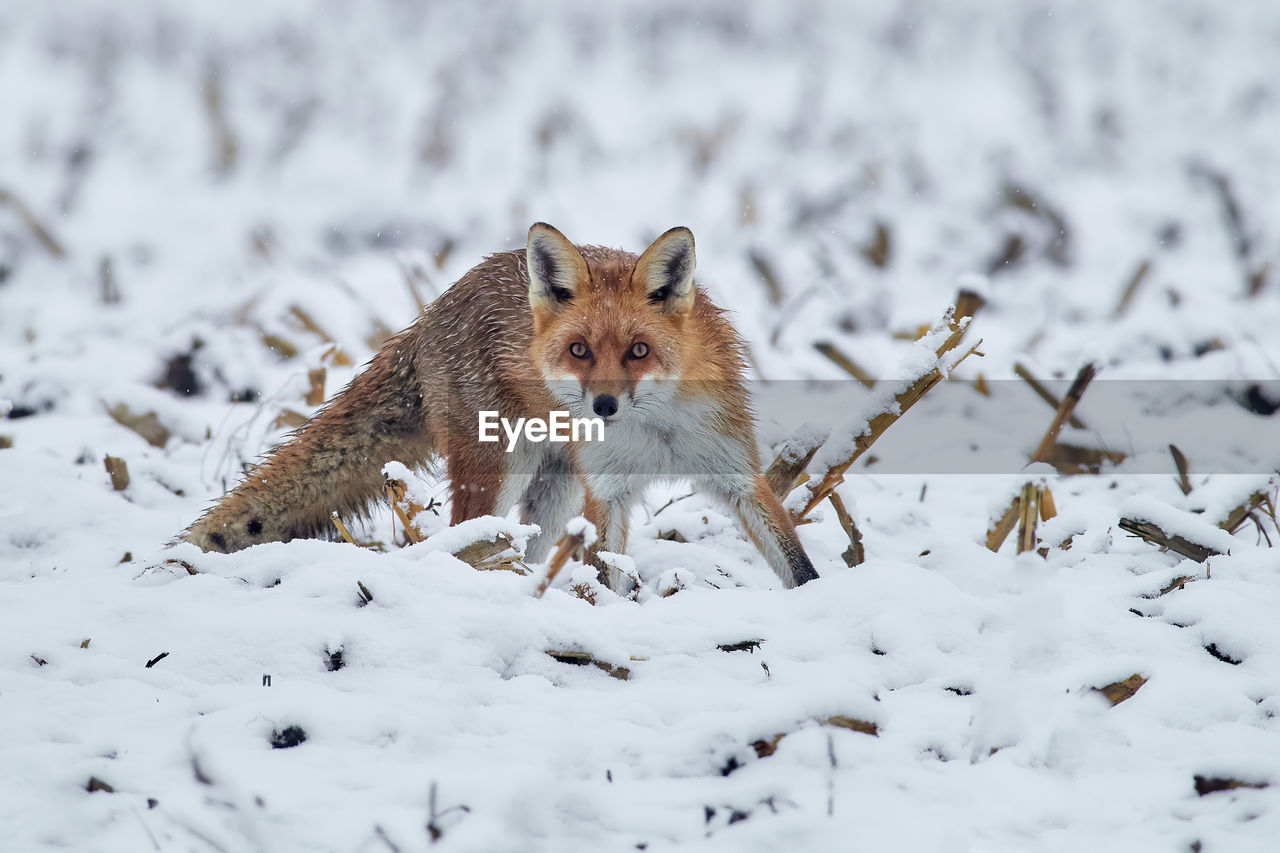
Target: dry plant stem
x=1135 y=281
x=1028 y=514
x=409 y=530
x=315 y=391
x=767 y=275
x=1044 y=500
x=342 y=528
x=308 y=322
x=1237 y=516
x=881 y=422
x=11 y=201
x=783 y=475
x=1180 y=462
x=1233 y=218
x=1153 y=534
x=845 y=363
x=225 y=145
x=277 y=344
x=496 y=553
x=1000 y=530
x=968 y=304
x=672 y=501
x=879 y=251
x=118 y=469
x=565 y=548
x=1068 y=404
x=411 y=281
x=1122 y=690
x=147 y=426
x=764 y=748
x=1044 y=393
x=1071 y=459
x=854 y=555
x=1180 y=582
x=289 y=419
x=1258 y=279
x=577 y=658
x=396 y=494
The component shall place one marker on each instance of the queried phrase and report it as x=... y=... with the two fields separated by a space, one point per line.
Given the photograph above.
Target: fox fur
x=592 y=330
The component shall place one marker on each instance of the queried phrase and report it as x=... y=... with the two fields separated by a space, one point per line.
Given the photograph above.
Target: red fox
x=594 y=331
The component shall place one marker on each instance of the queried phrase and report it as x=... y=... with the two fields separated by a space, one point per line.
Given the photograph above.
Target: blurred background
x=200 y=203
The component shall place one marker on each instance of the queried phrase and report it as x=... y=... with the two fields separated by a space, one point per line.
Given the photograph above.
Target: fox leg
x=552 y=497
x=476 y=475
x=771 y=530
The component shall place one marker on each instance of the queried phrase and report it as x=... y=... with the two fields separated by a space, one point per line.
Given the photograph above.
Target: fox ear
x=556 y=268
x=665 y=271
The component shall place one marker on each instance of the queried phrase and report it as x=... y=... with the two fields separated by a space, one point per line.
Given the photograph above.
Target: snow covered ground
x=233 y=195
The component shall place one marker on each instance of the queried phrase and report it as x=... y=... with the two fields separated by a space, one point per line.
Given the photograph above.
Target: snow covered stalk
x=957 y=320
x=788 y=469
x=1166 y=541
x=1033 y=503
x=1170 y=529
x=578 y=534
x=397 y=491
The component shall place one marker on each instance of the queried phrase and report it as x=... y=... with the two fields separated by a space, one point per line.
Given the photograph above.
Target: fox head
x=610 y=329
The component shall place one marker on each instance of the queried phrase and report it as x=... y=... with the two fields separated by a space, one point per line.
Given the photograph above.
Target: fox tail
x=333 y=462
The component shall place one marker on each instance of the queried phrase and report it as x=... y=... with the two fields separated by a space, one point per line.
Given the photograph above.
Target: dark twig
x=1068 y=404
x=831 y=780
x=1180 y=462
x=1135 y=281
x=1044 y=393
x=854 y=555
x=434 y=830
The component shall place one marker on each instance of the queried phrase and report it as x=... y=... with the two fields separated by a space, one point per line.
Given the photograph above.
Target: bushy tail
x=334 y=462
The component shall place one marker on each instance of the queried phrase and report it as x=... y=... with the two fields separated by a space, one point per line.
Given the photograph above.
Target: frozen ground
x=203 y=170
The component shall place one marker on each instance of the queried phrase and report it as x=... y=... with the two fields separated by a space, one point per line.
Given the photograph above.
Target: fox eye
x=578 y=349
x=639 y=350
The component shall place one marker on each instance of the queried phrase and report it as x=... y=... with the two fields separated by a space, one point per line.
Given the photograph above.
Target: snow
x=383 y=148
x=579 y=526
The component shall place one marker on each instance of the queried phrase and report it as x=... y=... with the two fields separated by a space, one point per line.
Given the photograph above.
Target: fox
x=598 y=332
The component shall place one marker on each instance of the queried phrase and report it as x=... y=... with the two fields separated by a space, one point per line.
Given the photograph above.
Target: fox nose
x=605 y=405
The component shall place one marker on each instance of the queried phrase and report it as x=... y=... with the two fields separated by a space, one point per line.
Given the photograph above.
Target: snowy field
x=201 y=205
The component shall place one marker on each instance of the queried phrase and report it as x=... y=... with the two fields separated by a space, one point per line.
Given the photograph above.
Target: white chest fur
x=674 y=440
